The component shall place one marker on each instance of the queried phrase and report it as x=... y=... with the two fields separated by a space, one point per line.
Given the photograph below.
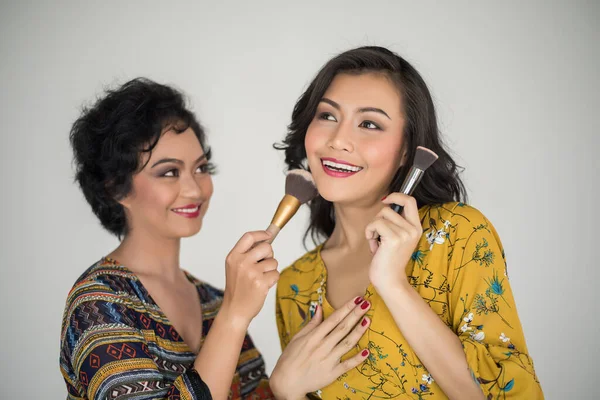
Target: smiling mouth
x=339 y=169
x=189 y=211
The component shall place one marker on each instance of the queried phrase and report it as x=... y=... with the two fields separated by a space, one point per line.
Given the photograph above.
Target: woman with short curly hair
x=136 y=325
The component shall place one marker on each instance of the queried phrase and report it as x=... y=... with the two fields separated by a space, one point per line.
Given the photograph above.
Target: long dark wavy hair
x=440 y=184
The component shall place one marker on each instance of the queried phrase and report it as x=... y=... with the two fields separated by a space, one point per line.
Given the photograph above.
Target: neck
x=350 y=224
x=149 y=255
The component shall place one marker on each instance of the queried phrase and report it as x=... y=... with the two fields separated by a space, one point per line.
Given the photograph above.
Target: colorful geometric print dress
x=116 y=343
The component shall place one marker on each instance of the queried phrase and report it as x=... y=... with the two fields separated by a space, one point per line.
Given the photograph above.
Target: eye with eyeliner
x=206 y=168
x=370 y=125
x=169 y=173
x=366 y=124
x=327 y=116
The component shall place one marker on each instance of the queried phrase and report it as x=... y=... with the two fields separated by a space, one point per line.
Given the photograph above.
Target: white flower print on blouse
x=438 y=237
x=479 y=336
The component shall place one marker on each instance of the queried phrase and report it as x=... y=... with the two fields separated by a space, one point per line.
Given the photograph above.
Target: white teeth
x=342 y=167
x=187 y=210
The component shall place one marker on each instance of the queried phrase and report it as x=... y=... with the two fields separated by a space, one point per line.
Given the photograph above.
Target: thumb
x=373 y=245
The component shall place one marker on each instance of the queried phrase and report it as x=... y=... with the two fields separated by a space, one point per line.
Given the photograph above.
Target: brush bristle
x=300 y=184
x=424 y=158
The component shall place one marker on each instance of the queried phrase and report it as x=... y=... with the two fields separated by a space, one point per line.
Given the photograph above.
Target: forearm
x=279 y=394
x=438 y=348
x=220 y=352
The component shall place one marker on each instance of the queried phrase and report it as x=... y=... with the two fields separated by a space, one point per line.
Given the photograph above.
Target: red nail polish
x=357 y=300
x=364 y=305
x=383 y=198
x=364 y=353
x=364 y=322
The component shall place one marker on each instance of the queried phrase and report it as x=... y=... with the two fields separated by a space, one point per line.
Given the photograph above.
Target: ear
x=125 y=202
x=403 y=158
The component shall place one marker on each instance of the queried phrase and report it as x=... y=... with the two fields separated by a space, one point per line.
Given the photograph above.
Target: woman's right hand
x=311 y=360
x=251 y=271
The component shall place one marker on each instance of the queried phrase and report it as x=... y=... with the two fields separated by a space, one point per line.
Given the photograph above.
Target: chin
x=188 y=231
x=337 y=196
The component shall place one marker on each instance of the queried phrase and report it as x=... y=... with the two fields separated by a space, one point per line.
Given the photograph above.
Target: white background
x=517 y=89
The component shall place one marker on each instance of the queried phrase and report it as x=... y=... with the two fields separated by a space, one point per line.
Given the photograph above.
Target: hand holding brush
x=396 y=229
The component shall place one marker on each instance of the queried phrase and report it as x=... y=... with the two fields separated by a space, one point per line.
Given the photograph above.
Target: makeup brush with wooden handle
x=299 y=189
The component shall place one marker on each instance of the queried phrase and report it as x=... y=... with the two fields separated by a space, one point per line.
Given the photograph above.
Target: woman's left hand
x=399 y=235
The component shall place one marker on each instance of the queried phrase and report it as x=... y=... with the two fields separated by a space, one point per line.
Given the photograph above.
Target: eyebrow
x=176 y=161
x=362 y=109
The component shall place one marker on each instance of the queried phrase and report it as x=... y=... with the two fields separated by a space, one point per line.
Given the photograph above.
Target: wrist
x=393 y=287
x=281 y=395
x=234 y=320
x=281 y=391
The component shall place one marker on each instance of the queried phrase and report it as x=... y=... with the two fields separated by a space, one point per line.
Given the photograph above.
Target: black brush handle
x=411 y=181
x=408 y=187
x=397 y=208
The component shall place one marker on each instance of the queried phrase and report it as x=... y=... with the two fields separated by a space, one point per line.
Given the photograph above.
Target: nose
x=341 y=138
x=190 y=187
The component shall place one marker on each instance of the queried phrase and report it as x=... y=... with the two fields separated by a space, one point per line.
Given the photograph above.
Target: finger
x=350 y=363
x=312 y=324
x=411 y=209
x=350 y=340
x=373 y=245
x=390 y=215
x=249 y=239
x=271 y=278
x=268 y=264
x=260 y=251
x=345 y=326
x=404 y=230
x=395 y=235
x=400 y=225
x=334 y=319
x=379 y=228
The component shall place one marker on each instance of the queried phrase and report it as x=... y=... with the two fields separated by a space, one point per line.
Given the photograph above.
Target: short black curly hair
x=109 y=138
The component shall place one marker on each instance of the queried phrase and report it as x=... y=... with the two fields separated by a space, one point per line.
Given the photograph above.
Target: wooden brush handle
x=274 y=231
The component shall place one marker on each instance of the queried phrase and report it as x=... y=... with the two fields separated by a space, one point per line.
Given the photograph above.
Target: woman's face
x=171 y=193
x=353 y=145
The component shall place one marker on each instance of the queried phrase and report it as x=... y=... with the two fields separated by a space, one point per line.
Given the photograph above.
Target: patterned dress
x=116 y=343
x=459 y=270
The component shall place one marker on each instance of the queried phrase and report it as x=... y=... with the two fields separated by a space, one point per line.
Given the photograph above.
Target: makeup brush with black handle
x=423 y=160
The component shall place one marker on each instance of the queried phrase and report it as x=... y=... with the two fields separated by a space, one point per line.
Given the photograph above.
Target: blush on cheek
x=153 y=194
x=313 y=140
x=384 y=156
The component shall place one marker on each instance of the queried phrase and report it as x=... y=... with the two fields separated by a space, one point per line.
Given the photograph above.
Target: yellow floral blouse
x=459 y=269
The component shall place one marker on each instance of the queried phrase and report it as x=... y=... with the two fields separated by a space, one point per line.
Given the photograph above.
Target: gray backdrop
x=516 y=85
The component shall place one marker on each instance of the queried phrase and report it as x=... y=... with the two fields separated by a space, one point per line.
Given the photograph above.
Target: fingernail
x=364 y=322
x=383 y=198
x=357 y=300
x=364 y=353
x=364 y=305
